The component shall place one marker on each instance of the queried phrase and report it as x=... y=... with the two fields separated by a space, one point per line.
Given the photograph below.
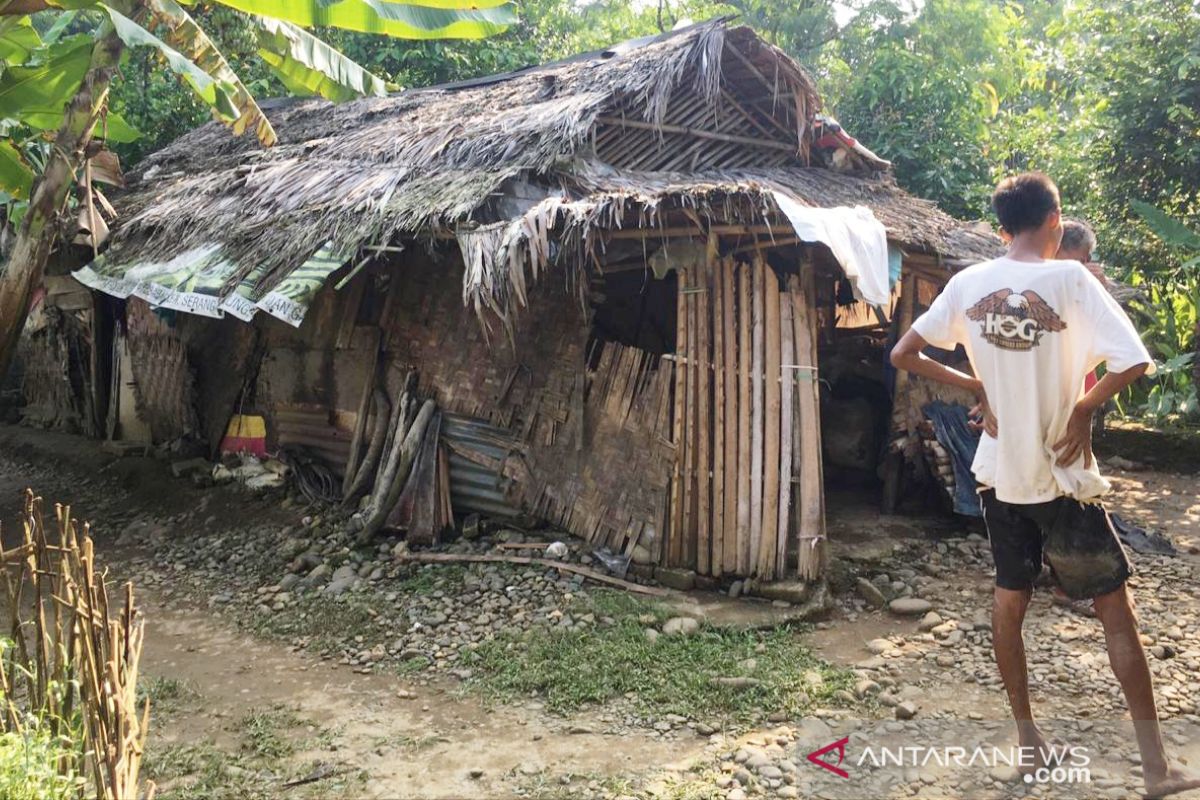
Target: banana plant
x=54 y=119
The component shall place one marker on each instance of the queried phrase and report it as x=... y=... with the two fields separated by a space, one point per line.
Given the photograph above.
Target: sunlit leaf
x=18 y=40
x=217 y=94
x=402 y=20
x=309 y=66
x=184 y=34
x=1171 y=230
x=47 y=86
x=16 y=176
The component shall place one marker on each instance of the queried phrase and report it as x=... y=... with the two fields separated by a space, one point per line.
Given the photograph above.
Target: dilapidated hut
x=634 y=282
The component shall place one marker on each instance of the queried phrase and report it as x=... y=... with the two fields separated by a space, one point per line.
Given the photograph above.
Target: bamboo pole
x=730 y=417
x=757 y=410
x=704 y=417
x=716 y=280
x=771 y=413
x=809 y=489
x=691 y=507
x=787 y=357
x=674 y=545
x=745 y=392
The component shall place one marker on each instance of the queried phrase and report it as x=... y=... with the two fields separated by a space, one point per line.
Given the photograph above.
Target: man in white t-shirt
x=1033 y=327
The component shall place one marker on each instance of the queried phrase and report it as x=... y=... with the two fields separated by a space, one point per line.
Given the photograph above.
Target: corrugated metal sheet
x=309 y=427
x=476 y=487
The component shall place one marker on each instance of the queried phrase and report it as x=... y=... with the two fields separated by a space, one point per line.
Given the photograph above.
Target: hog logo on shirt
x=1015 y=321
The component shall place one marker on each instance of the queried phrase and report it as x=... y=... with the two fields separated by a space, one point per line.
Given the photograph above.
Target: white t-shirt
x=1032 y=332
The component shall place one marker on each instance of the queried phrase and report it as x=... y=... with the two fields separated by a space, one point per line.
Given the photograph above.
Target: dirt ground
x=339 y=731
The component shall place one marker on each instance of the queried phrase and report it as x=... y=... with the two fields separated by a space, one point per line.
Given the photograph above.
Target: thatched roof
x=708 y=116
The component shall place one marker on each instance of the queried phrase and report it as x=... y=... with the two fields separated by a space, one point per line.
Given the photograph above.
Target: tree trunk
x=23 y=271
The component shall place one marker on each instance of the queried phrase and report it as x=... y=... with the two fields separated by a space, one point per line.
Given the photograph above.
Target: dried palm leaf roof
x=705 y=111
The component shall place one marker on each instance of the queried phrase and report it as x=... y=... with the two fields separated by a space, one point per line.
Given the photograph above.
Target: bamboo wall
x=746 y=494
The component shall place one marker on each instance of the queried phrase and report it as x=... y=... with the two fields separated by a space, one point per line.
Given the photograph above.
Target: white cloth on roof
x=855 y=237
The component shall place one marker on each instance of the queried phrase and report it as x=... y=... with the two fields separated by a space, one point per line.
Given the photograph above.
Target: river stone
x=910 y=606
x=870 y=592
x=681 y=626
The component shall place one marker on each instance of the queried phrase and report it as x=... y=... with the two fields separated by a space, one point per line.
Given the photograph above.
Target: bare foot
x=1175 y=780
x=1046 y=753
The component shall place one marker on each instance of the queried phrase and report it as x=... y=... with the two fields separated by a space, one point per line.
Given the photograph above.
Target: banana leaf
x=309 y=66
x=190 y=39
x=401 y=20
x=18 y=40
x=218 y=94
x=47 y=86
x=16 y=176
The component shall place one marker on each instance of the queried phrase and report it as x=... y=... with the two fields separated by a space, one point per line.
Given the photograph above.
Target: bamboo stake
x=809 y=489
x=787 y=357
x=745 y=357
x=729 y=381
x=674 y=540
x=704 y=417
x=757 y=411
x=690 y=504
x=716 y=279
x=771 y=406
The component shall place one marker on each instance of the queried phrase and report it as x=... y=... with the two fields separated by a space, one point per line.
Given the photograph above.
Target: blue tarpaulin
x=950 y=427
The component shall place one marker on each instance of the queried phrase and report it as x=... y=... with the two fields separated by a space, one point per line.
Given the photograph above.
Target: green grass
x=166 y=695
x=266 y=732
x=28 y=767
x=428 y=579
x=570 y=669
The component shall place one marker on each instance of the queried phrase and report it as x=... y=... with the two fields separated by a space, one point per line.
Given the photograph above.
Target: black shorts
x=1075 y=539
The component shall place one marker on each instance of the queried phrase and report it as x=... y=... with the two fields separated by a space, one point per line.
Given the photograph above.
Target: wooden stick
x=364 y=408
x=771 y=406
x=810 y=515
x=787 y=357
x=704 y=417
x=745 y=357
x=562 y=566
x=716 y=279
x=757 y=411
x=730 y=445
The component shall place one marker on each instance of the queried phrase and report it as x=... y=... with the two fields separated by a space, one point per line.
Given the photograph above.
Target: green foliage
x=29 y=766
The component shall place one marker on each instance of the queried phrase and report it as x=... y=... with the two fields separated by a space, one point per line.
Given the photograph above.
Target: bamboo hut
x=633 y=282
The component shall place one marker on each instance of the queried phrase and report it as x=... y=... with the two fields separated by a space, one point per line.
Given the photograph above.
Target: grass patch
x=166 y=695
x=569 y=669
x=331 y=623
x=430 y=578
x=266 y=732
x=201 y=771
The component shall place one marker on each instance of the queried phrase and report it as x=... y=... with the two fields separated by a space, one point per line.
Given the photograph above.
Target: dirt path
x=408 y=742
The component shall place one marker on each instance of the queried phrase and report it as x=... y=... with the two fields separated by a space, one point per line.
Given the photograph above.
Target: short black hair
x=1022 y=202
x=1078 y=235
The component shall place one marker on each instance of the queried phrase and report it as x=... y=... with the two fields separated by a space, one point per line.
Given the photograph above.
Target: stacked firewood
x=403 y=475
